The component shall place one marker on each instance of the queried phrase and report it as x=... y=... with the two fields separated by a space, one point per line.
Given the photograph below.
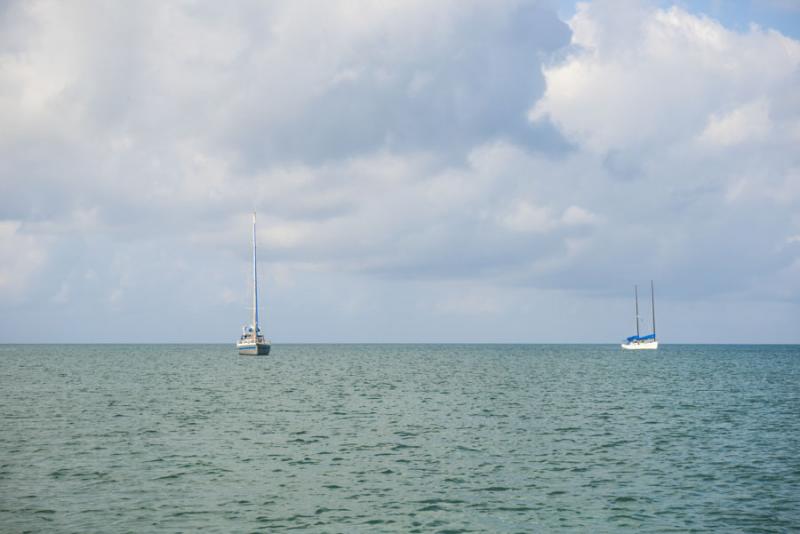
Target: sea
x=399 y=438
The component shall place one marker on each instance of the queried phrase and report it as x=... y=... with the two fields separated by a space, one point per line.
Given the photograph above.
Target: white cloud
x=692 y=131
x=526 y=217
x=577 y=216
x=747 y=123
x=638 y=76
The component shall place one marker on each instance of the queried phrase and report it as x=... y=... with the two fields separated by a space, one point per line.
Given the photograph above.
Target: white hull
x=642 y=345
x=248 y=348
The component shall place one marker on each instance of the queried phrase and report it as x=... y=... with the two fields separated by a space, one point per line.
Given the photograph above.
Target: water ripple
x=399 y=438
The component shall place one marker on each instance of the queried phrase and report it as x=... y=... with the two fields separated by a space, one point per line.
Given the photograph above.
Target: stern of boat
x=253 y=349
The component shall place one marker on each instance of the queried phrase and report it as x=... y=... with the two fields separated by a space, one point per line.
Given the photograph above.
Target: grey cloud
x=444 y=88
x=622 y=165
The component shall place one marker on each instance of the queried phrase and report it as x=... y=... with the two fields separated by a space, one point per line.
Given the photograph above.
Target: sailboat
x=252 y=342
x=649 y=341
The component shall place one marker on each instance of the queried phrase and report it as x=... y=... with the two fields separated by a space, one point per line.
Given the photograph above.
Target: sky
x=450 y=171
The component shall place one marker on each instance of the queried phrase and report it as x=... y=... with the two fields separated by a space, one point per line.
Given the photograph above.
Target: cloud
x=408 y=161
x=696 y=121
x=139 y=136
x=154 y=108
x=747 y=123
x=526 y=217
x=640 y=76
x=21 y=257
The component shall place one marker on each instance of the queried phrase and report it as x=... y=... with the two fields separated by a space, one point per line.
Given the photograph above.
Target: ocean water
x=399 y=438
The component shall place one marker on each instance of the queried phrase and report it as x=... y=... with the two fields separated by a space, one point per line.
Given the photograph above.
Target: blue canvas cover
x=641 y=338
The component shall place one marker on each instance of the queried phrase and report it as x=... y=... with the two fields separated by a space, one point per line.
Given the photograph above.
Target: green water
x=399 y=438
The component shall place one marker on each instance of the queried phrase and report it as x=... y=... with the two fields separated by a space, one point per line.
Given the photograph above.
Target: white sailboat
x=648 y=342
x=252 y=342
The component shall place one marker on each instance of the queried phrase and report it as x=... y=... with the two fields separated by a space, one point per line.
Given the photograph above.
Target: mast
x=653 y=304
x=255 y=283
x=636 y=296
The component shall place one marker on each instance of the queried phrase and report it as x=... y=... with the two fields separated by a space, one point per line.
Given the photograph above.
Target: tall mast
x=255 y=283
x=636 y=294
x=653 y=303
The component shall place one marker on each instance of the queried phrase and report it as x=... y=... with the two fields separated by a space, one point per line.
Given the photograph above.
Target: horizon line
x=379 y=343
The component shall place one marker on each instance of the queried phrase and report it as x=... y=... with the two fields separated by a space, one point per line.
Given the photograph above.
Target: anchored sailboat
x=252 y=342
x=649 y=341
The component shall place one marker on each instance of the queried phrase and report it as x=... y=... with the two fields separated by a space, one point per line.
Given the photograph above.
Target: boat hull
x=646 y=345
x=253 y=349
